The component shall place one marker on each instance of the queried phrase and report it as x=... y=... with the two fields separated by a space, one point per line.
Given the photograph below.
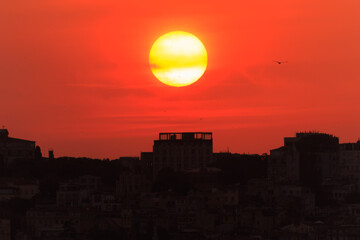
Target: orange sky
x=75 y=75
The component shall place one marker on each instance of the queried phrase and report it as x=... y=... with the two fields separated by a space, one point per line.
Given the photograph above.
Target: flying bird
x=280 y=62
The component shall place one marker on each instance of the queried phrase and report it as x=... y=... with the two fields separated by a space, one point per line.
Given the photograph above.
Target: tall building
x=349 y=164
x=13 y=149
x=310 y=159
x=147 y=158
x=284 y=163
x=182 y=151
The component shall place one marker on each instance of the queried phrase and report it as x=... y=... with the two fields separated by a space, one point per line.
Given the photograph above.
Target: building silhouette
x=182 y=151
x=310 y=159
x=313 y=193
x=132 y=182
x=349 y=164
x=5 y=232
x=14 y=149
x=147 y=158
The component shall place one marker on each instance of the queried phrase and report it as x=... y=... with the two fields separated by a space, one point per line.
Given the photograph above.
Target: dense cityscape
x=309 y=188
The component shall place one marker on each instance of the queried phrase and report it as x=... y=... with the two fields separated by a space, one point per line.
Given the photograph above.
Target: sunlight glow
x=178 y=59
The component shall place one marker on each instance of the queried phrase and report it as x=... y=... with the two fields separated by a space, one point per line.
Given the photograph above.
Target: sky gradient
x=75 y=75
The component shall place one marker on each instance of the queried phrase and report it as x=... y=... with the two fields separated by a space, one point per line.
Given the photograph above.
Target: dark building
x=132 y=183
x=349 y=164
x=182 y=151
x=129 y=162
x=14 y=149
x=147 y=158
x=204 y=178
x=310 y=158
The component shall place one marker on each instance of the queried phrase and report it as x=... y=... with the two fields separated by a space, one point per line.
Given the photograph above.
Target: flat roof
x=185 y=136
x=19 y=140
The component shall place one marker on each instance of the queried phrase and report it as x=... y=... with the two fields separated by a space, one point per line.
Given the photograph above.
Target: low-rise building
x=105 y=202
x=18 y=188
x=77 y=192
x=14 y=149
x=5 y=230
x=132 y=183
x=204 y=177
x=52 y=221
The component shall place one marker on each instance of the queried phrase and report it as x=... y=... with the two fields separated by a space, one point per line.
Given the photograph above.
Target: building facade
x=309 y=159
x=182 y=151
x=77 y=192
x=349 y=164
x=18 y=188
x=132 y=183
x=5 y=233
x=14 y=149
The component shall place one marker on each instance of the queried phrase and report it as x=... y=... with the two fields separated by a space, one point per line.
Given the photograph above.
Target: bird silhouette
x=279 y=62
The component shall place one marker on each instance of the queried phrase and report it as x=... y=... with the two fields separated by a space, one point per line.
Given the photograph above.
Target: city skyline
x=161 y=136
x=308 y=188
x=76 y=76
x=177 y=120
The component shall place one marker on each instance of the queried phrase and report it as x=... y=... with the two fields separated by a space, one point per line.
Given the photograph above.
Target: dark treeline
x=167 y=180
x=235 y=168
x=51 y=172
x=65 y=168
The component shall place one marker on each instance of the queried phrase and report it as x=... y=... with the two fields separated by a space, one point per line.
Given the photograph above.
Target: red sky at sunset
x=75 y=75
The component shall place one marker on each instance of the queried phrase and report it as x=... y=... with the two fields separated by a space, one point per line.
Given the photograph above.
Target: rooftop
x=4 y=135
x=185 y=136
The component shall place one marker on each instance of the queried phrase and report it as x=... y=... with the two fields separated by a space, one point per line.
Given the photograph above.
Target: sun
x=178 y=58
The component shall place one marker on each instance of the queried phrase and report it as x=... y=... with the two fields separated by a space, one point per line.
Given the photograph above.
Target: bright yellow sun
x=178 y=58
